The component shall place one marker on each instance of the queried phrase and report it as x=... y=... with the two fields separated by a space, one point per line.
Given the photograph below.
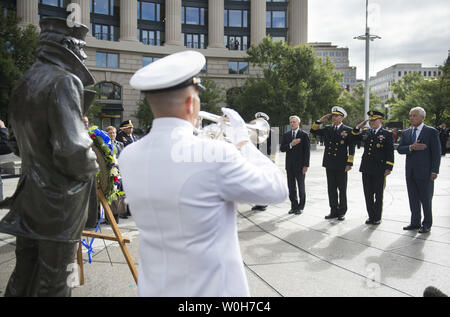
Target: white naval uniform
x=186 y=211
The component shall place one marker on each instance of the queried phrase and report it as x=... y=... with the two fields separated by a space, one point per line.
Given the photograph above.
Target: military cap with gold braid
x=126 y=124
x=374 y=115
x=339 y=111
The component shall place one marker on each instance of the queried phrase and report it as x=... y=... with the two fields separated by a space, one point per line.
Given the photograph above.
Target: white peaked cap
x=171 y=72
x=339 y=110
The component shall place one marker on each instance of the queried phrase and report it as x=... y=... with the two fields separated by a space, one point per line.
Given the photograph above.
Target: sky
x=411 y=31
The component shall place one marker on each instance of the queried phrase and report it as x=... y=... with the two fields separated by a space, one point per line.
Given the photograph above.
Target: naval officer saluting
x=377 y=162
x=184 y=204
x=337 y=159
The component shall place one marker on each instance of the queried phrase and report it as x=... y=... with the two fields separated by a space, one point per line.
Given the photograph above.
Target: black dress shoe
x=298 y=212
x=369 y=222
x=424 y=229
x=341 y=218
x=292 y=211
x=411 y=227
x=376 y=222
x=330 y=216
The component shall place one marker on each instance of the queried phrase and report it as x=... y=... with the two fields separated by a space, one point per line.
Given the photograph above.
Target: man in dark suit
x=125 y=134
x=337 y=159
x=296 y=144
x=422 y=147
x=377 y=162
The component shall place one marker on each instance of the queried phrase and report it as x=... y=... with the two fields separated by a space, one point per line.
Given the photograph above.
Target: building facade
x=339 y=57
x=126 y=35
x=381 y=84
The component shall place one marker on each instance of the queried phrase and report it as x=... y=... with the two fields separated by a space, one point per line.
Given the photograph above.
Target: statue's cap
x=60 y=26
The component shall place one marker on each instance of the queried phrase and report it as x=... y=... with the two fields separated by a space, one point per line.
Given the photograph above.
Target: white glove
x=237 y=132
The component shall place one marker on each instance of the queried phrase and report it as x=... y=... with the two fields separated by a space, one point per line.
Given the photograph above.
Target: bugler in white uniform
x=182 y=191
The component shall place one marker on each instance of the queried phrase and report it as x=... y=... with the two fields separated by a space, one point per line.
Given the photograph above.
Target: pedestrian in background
x=117 y=146
x=443 y=137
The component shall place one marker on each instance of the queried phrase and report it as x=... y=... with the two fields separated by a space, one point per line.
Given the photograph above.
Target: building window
x=105 y=32
x=55 y=3
x=149 y=37
x=109 y=91
x=106 y=7
x=236 y=18
x=146 y=60
x=236 y=42
x=240 y=68
x=149 y=11
x=193 y=16
x=107 y=60
x=276 y=19
x=192 y=40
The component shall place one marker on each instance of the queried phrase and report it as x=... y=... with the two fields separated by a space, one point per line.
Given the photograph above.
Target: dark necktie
x=414 y=136
x=293 y=135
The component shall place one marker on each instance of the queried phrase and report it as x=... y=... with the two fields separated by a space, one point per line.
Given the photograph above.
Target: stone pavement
x=306 y=255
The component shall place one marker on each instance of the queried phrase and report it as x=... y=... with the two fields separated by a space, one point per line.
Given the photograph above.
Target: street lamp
x=367 y=37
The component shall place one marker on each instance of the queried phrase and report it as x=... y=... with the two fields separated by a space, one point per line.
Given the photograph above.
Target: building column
x=128 y=20
x=257 y=21
x=173 y=22
x=27 y=11
x=216 y=23
x=298 y=22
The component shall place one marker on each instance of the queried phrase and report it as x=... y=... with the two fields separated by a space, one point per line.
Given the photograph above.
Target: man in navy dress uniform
x=420 y=143
x=377 y=162
x=337 y=159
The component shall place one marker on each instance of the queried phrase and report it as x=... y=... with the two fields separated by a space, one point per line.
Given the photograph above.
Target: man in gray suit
x=422 y=147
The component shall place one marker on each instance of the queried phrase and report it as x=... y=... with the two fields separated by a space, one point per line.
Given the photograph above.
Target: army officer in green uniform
x=377 y=162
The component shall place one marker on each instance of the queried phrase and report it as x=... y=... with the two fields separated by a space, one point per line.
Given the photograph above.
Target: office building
x=126 y=35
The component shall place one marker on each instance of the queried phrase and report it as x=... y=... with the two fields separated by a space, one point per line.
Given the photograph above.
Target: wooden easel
x=116 y=237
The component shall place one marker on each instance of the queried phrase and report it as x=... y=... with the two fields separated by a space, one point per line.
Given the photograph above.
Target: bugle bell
x=258 y=129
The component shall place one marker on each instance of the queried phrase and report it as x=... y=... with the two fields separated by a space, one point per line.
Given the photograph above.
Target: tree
x=17 y=54
x=431 y=94
x=95 y=110
x=353 y=103
x=144 y=114
x=292 y=81
x=212 y=96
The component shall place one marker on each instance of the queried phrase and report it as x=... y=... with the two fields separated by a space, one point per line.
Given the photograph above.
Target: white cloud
x=411 y=30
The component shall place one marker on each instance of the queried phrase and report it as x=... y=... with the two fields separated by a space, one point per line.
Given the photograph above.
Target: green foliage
x=413 y=90
x=211 y=97
x=144 y=114
x=17 y=54
x=353 y=103
x=293 y=81
x=95 y=110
